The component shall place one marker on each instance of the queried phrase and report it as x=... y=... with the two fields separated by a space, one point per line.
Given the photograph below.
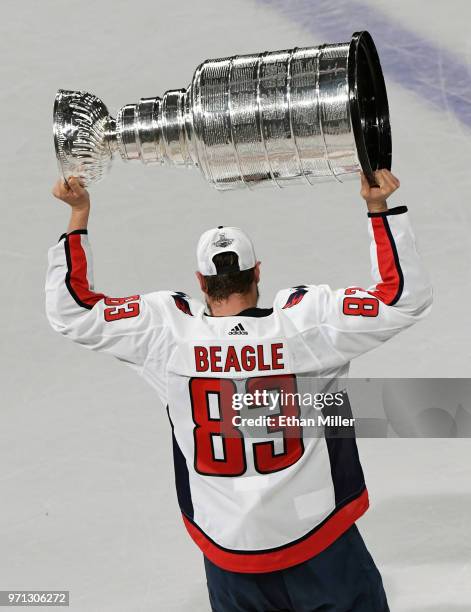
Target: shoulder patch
x=181 y=302
x=295 y=296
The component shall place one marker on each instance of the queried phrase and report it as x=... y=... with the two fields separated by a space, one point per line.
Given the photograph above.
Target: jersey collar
x=248 y=312
x=255 y=312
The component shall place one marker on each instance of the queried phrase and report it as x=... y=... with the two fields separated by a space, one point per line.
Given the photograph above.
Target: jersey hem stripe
x=301 y=550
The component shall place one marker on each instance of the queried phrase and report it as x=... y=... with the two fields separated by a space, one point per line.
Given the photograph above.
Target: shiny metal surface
x=83 y=135
x=271 y=119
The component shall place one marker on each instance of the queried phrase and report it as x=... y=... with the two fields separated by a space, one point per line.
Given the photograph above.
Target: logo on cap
x=223 y=241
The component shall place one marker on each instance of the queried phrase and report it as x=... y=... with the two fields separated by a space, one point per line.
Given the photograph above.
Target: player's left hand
x=376 y=196
x=72 y=193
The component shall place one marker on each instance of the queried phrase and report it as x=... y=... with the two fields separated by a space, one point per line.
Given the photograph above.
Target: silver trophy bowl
x=277 y=118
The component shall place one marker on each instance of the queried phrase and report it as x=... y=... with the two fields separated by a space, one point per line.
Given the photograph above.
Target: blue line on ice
x=419 y=65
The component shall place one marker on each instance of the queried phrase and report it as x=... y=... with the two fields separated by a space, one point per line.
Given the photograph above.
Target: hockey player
x=273 y=515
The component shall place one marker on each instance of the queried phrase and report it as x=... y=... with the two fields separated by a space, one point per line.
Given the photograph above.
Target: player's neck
x=232 y=306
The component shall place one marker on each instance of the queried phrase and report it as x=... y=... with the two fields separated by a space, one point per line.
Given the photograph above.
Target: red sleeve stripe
x=389 y=290
x=76 y=277
x=286 y=556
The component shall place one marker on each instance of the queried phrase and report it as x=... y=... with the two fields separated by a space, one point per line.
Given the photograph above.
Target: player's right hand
x=72 y=193
x=386 y=185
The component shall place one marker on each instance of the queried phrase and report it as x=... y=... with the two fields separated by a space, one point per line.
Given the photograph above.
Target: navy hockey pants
x=342 y=578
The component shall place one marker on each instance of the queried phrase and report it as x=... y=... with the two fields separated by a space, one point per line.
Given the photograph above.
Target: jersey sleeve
x=123 y=327
x=348 y=322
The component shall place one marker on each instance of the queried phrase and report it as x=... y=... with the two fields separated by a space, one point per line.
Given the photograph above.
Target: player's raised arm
x=355 y=320
x=345 y=323
x=124 y=327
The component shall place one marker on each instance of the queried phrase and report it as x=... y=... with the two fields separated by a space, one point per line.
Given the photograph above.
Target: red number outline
x=123 y=308
x=205 y=463
x=359 y=306
x=265 y=459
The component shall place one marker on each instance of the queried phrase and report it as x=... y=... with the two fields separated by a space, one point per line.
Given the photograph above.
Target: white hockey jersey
x=251 y=503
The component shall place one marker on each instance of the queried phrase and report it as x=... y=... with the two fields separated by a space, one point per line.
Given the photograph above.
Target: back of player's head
x=229 y=278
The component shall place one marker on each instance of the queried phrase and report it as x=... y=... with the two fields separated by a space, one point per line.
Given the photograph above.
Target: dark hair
x=222 y=285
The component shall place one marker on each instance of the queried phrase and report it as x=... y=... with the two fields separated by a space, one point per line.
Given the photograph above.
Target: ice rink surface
x=88 y=501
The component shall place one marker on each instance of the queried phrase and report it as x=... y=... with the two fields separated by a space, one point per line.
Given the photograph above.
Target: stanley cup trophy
x=271 y=119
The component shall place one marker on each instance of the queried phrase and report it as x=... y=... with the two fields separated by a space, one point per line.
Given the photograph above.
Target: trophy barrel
x=297 y=116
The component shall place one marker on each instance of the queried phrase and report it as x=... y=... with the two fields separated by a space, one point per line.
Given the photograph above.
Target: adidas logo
x=238 y=330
